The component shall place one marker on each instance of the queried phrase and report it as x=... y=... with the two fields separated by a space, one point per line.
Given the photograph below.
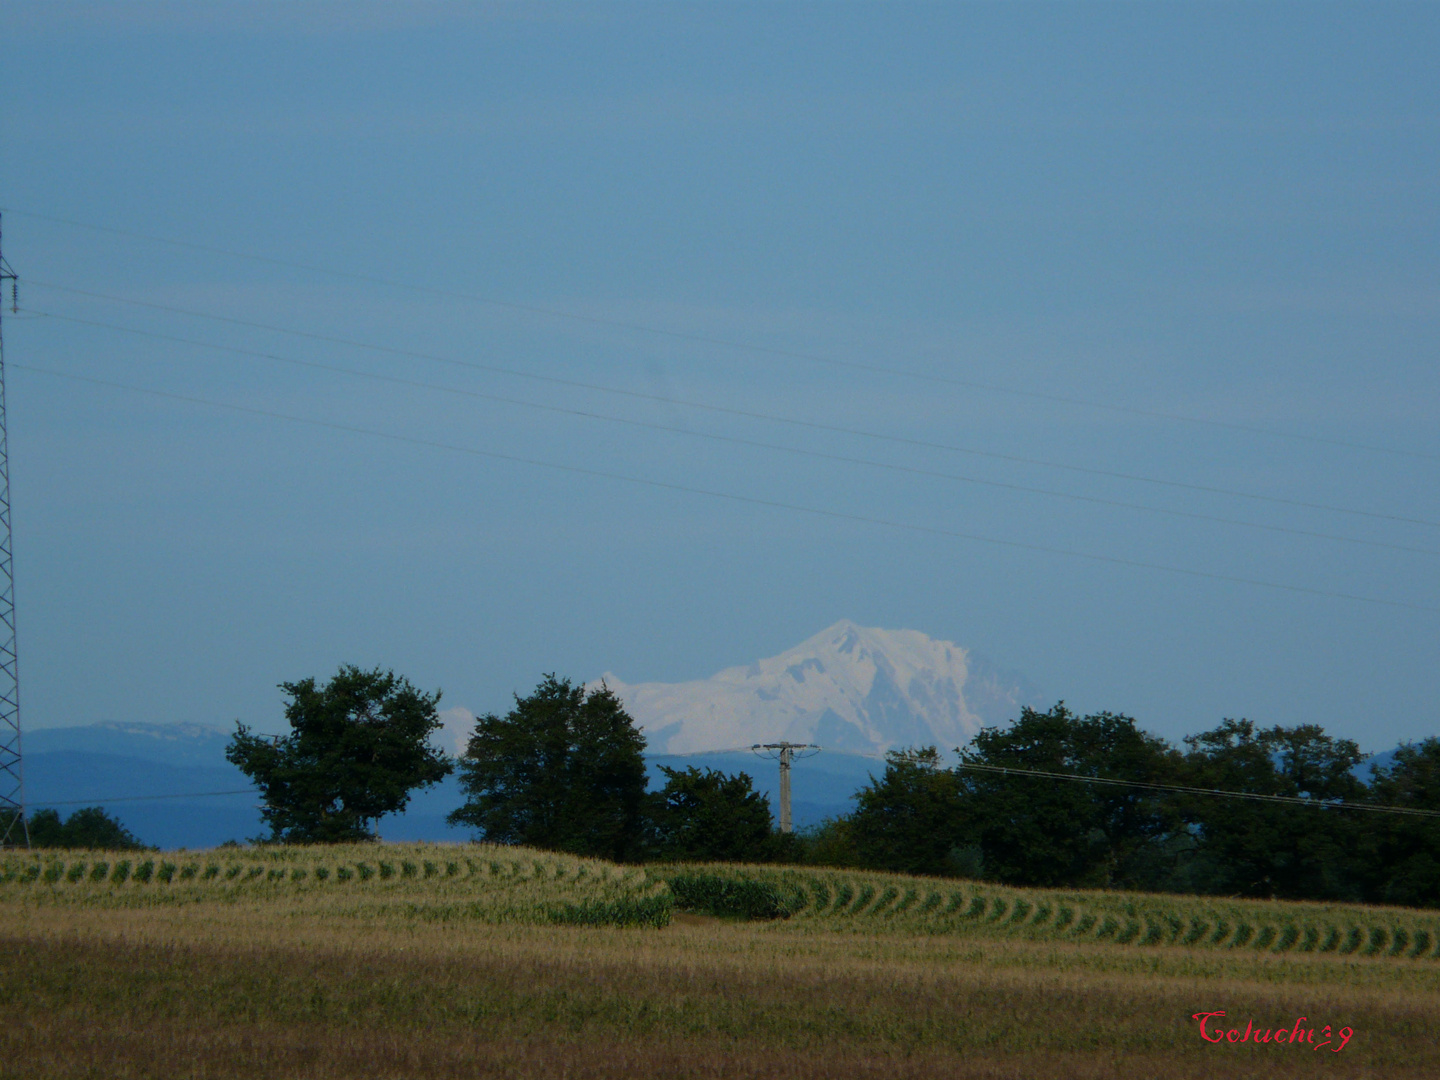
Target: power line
x=733 y=440
x=744 y=413
x=142 y=798
x=834 y=515
x=728 y=343
x=1005 y=770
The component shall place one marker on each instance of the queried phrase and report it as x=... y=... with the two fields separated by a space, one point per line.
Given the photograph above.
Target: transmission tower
x=13 y=827
x=785 y=753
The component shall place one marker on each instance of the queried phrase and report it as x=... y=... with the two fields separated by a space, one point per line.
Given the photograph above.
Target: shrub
x=714 y=894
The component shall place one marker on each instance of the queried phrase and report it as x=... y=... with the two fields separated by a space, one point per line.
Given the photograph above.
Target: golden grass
x=297 y=978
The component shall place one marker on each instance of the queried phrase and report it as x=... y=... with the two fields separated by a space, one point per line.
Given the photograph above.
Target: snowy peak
x=848 y=688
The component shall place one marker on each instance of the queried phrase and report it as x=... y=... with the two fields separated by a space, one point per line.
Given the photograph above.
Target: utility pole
x=13 y=827
x=785 y=753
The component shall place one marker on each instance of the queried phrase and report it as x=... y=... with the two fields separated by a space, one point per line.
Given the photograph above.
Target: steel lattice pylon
x=13 y=827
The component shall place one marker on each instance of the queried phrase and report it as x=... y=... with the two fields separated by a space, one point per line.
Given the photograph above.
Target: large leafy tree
x=357 y=747
x=563 y=770
x=1403 y=852
x=907 y=820
x=1037 y=831
x=1265 y=849
x=711 y=816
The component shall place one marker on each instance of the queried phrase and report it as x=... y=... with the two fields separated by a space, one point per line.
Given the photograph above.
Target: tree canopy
x=1255 y=848
x=1404 y=852
x=709 y=815
x=358 y=746
x=90 y=827
x=905 y=821
x=564 y=770
x=1034 y=831
x=1155 y=823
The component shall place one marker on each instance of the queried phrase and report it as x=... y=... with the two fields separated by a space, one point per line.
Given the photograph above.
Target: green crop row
x=877 y=901
x=419 y=881
x=501 y=884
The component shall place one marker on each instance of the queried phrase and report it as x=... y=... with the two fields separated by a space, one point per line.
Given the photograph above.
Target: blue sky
x=853 y=216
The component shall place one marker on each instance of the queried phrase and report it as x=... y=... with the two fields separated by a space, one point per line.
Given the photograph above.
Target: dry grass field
x=485 y=962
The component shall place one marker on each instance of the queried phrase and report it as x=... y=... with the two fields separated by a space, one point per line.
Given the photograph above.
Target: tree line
x=564 y=770
x=921 y=817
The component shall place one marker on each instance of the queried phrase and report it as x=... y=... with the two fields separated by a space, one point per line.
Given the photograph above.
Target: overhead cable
x=749 y=500
x=730 y=439
x=745 y=413
x=1324 y=804
x=728 y=343
x=42 y=803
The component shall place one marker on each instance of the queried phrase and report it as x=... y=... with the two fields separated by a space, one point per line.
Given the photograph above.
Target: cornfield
x=872 y=902
x=501 y=884
x=433 y=882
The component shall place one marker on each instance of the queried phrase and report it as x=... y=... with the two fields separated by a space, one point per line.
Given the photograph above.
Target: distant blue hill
x=124 y=767
x=171 y=744
x=112 y=781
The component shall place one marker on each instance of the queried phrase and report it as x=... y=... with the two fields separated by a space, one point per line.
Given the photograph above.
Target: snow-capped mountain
x=849 y=688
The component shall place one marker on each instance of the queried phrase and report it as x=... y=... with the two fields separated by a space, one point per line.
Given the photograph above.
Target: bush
x=713 y=894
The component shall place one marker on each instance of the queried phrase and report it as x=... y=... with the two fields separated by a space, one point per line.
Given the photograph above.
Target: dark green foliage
x=1032 y=831
x=357 y=747
x=1404 y=852
x=906 y=821
x=1026 y=830
x=829 y=843
x=641 y=911
x=563 y=770
x=1259 y=849
x=87 y=828
x=708 y=816
x=746 y=898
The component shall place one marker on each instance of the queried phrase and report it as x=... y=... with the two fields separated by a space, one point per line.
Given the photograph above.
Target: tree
x=1404 y=852
x=907 y=820
x=1034 y=831
x=89 y=828
x=710 y=816
x=1260 y=849
x=563 y=770
x=357 y=748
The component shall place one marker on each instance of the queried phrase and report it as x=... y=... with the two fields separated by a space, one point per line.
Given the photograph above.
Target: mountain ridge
x=848 y=688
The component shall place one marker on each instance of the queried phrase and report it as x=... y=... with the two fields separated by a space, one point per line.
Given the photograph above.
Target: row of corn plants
x=865 y=901
x=424 y=881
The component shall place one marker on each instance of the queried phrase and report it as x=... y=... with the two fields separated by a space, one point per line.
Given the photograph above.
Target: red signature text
x=1213 y=1029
